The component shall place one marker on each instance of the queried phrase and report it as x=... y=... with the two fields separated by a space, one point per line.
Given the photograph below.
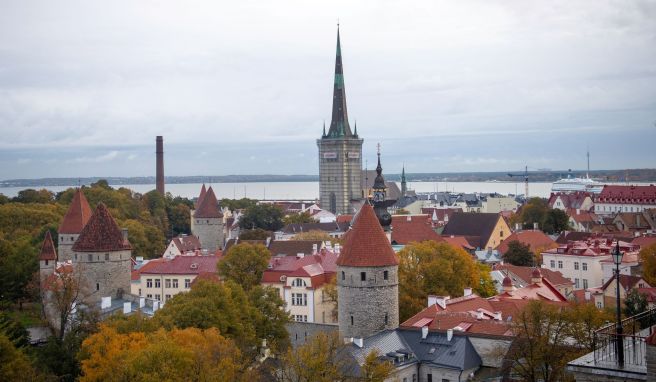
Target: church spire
x=404 y=186
x=339 y=125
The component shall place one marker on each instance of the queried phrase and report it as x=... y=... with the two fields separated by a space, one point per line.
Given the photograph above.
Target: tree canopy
x=244 y=264
x=265 y=216
x=648 y=256
x=430 y=267
x=518 y=254
x=536 y=210
x=298 y=218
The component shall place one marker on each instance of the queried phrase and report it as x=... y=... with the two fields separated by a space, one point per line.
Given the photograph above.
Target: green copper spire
x=404 y=187
x=339 y=125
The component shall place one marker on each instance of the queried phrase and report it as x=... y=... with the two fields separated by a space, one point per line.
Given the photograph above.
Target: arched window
x=299 y=283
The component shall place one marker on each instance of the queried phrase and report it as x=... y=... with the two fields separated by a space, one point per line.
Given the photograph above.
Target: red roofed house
x=183 y=245
x=409 y=228
x=616 y=198
x=367 y=279
x=581 y=261
x=583 y=221
x=103 y=254
x=627 y=282
x=439 y=216
x=208 y=222
x=535 y=239
x=300 y=279
x=521 y=276
x=486 y=230
x=459 y=242
x=76 y=218
x=163 y=278
x=575 y=200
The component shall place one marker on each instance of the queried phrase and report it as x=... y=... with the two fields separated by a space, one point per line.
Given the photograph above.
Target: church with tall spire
x=340 y=152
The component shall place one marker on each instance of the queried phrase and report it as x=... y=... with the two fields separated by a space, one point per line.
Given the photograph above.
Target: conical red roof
x=203 y=192
x=209 y=207
x=101 y=234
x=366 y=244
x=48 y=248
x=77 y=216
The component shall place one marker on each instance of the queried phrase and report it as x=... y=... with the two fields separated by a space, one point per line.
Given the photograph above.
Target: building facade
x=340 y=153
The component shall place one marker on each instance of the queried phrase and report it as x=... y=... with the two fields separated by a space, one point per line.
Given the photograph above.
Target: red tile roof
x=181 y=265
x=366 y=244
x=524 y=273
x=627 y=194
x=581 y=216
x=48 y=248
x=626 y=281
x=570 y=200
x=77 y=216
x=101 y=233
x=186 y=243
x=644 y=241
x=459 y=321
x=293 y=247
x=409 y=228
x=536 y=239
x=209 y=207
x=203 y=192
x=543 y=290
x=344 y=218
x=458 y=241
x=320 y=268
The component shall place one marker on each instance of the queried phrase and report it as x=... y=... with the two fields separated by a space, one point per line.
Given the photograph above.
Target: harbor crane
x=525 y=175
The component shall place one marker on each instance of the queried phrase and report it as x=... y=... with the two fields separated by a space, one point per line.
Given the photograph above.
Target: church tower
x=367 y=279
x=404 y=185
x=340 y=152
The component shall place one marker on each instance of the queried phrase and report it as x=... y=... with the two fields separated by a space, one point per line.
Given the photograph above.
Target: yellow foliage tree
x=648 y=257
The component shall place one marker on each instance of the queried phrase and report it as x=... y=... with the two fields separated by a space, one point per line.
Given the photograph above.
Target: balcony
x=602 y=363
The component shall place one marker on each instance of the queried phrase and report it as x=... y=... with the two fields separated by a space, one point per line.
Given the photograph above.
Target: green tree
x=14 y=365
x=254 y=234
x=4 y=199
x=34 y=196
x=585 y=319
x=13 y=330
x=534 y=211
x=518 y=254
x=265 y=216
x=271 y=318
x=555 y=221
x=634 y=303
x=430 y=267
x=18 y=264
x=298 y=218
x=244 y=264
x=237 y=204
x=179 y=219
x=316 y=235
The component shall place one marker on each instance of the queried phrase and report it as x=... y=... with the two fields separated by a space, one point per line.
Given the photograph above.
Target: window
x=149 y=283
x=167 y=283
x=76 y=257
x=106 y=256
x=585 y=283
x=175 y=283
x=97 y=286
x=363 y=276
x=560 y=264
x=139 y=292
x=500 y=233
x=158 y=297
x=46 y=262
x=386 y=318
x=585 y=266
x=158 y=284
x=576 y=283
x=576 y=265
x=385 y=275
x=299 y=283
x=343 y=275
x=90 y=257
x=598 y=305
x=429 y=377
x=300 y=318
x=299 y=299
x=351 y=320
x=414 y=377
x=149 y=295
x=552 y=263
x=167 y=297
x=187 y=283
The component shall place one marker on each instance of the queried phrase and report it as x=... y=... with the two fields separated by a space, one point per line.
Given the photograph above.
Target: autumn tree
x=14 y=365
x=536 y=210
x=542 y=343
x=62 y=292
x=265 y=216
x=330 y=291
x=585 y=319
x=34 y=196
x=648 y=257
x=518 y=254
x=244 y=264
x=374 y=369
x=298 y=218
x=429 y=268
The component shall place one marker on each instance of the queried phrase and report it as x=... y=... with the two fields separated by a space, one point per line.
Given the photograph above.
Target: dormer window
x=299 y=283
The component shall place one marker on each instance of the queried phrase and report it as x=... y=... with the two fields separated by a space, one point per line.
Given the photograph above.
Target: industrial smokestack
x=159 y=171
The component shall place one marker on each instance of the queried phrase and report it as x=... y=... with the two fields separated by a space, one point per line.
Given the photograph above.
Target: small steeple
x=339 y=125
x=324 y=129
x=355 y=132
x=379 y=182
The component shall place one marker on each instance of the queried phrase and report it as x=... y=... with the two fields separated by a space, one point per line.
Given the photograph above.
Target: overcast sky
x=243 y=87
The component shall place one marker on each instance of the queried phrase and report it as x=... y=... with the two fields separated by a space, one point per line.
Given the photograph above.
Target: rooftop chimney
x=359 y=342
x=467 y=292
x=124 y=233
x=536 y=226
x=439 y=300
x=159 y=166
x=424 y=332
x=449 y=335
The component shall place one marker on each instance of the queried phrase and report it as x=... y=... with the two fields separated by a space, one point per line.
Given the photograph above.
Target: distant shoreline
x=631 y=176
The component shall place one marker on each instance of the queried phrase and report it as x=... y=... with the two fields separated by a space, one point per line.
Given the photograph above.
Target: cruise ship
x=577 y=184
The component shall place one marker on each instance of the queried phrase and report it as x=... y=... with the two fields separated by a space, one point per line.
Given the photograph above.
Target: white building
x=614 y=199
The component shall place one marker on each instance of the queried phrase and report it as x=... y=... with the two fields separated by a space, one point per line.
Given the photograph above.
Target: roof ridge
x=48 y=248
x=101 y=233
x=366 y=243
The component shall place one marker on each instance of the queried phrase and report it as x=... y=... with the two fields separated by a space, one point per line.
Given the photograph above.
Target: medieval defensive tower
x=207 y=221
x=76 y=218
x=340 y=152
x=159 y=166
x=367 y=279
x=103 y=255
